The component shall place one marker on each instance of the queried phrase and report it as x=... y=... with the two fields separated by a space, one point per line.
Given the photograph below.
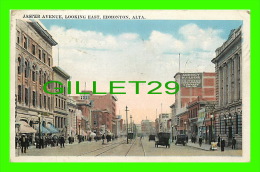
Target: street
x=119 y=147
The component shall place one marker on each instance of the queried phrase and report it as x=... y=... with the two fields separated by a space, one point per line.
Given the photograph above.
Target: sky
x=136 y=50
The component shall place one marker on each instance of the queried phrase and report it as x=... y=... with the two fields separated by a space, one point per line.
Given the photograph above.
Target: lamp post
x=172 y=134
x=126 y=124
x=39 y=119
x=211 y=126
x=185 y=124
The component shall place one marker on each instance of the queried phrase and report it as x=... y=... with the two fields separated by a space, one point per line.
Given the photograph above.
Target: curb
x=198 y=148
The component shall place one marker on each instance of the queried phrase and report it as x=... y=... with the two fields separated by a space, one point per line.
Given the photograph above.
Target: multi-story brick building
x=193 y=86
x=33 y=68
x=60 y=100
x=228 y=67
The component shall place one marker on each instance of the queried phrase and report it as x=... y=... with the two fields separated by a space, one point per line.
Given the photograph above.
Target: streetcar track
x=143 y=148
x=109 y=149
x=103 y=147
x=130 y=148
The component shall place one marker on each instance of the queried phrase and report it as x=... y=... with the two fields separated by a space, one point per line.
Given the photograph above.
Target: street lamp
x=211 y=126
x=172 y=134
x=39 y=119
x=185 y=123
x=126 y=124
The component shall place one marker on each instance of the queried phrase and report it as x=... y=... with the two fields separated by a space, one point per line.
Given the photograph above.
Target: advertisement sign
x=191 y=80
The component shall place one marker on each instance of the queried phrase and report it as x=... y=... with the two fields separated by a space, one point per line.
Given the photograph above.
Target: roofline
x=42 y=32
x=61 y=72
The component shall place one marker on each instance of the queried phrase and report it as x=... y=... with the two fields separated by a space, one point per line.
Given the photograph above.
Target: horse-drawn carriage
x=163 y=139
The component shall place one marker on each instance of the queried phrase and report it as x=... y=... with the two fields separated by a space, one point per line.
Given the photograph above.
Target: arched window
x=49 y=85
x=40 y=77
x=34 y=73
x=44 y=78
x=19 y=65
x=26 y=68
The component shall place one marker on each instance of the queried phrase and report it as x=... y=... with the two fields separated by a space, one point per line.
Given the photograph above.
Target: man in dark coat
x=200 y=141
x=234 y=141
x=69 y=140
x=222 y=145
x=62 y=141
x=218 y=140
x=24 y=142
x=41 y=143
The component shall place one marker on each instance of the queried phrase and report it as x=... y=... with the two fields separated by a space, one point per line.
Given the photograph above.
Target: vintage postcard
x=130 y=86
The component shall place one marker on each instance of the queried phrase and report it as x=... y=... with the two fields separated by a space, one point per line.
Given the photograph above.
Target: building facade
x=60 y=101
x=33 y=68
x=228 y=67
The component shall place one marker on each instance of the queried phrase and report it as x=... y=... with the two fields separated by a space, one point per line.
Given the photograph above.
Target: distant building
x=192 y=86
x=60 y=106
x=147 y=127
x=164 y=118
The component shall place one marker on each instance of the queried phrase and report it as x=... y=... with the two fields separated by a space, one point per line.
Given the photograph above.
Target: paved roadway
x=120 y=148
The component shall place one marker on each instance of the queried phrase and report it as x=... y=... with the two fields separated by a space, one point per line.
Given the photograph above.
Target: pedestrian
x=69 y=140
x=218 y=141
x=200 y=141
x=62 y=141
x=222 y=145
x=41 y=143
x=234 y=141
x=103 y=139
x=187 y=139
x=23 y=141
x=16 y=141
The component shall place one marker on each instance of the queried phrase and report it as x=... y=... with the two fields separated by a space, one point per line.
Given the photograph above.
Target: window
x=34 y=99
x=19 y=93
x=34 y=73
x=33 y=49
x=26 y=69
x=26 y=96
x=49 y=103
x=49 y=61
x=44 y=78
x=25 y=42
x=40 y=97
x=40 y=54
x=18 y=37
x=44 y=57
x=64 y=104
x=44 y=102
x=40 y=77
x=19 y=65
x=56 y=104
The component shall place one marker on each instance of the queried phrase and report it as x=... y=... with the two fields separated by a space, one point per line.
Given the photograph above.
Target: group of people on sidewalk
x=222 y=143
x=42 y=142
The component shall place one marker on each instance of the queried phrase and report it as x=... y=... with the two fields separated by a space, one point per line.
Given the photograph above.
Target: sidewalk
x=204 y=146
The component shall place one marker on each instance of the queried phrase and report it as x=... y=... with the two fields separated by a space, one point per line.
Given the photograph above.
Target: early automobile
x=163 y=139
x=181 y=139
x=151 y=137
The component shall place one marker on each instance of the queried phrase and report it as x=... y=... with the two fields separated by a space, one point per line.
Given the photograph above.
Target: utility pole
x=126 y=124
x=179 y=62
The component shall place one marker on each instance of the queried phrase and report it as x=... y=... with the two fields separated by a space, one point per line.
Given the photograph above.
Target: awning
x=24 y=127
x=43 y=129
x=52 y=129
